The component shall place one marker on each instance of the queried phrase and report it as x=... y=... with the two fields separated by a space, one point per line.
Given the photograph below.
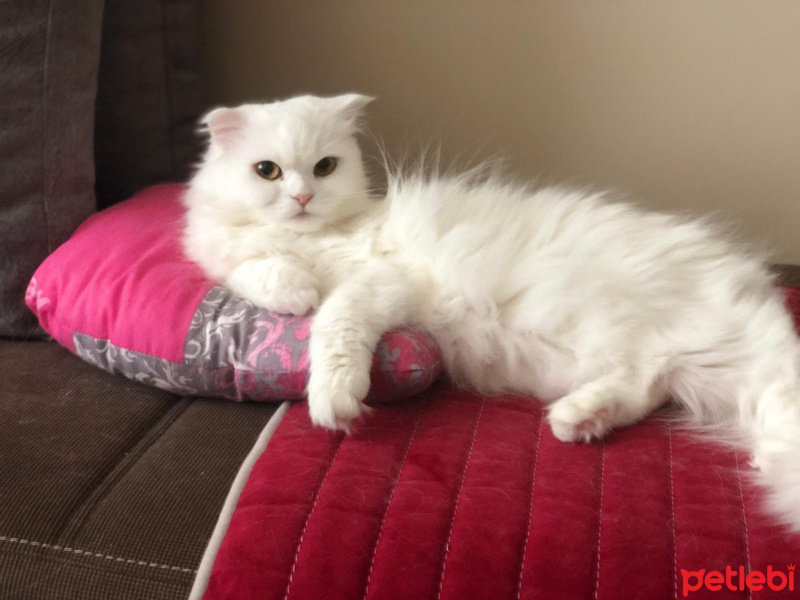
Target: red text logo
x=736 y=580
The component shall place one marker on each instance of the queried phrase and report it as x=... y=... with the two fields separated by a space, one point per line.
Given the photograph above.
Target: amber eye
x=325 y=167
x=268 y=170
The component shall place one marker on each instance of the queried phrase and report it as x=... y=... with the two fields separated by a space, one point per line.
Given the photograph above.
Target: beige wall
x=687 y=104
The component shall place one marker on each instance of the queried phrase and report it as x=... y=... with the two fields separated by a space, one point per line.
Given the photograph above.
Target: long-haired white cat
x=598 y=307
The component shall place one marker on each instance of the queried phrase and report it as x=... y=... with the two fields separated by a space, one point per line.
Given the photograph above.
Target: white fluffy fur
x=595 y=306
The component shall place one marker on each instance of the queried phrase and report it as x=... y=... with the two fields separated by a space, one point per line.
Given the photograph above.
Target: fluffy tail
x=782 y=480
x=776 y=452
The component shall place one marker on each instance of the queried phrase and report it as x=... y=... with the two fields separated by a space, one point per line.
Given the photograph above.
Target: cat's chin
x=304 y=222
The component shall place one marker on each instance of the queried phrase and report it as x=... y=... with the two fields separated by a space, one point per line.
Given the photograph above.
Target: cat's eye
x=268 y=170
x=325 y=166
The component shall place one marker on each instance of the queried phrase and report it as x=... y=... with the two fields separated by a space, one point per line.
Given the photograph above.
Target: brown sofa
x=108 y=489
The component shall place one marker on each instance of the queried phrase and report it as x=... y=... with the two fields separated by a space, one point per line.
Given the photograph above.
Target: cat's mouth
x=303 y=215
x=304 y=221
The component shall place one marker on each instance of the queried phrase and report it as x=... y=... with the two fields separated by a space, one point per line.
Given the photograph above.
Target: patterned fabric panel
x=240 y=351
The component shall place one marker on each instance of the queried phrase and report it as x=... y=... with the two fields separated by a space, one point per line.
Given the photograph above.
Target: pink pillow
x=121 y=295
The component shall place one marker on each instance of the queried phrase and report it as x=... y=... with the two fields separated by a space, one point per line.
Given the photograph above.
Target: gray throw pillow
x=49 y=56
x=149 y=96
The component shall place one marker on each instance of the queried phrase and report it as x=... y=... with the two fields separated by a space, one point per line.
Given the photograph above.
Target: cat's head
x=295 y=163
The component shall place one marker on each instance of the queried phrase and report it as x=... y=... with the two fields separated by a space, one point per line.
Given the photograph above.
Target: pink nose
x=303 y=199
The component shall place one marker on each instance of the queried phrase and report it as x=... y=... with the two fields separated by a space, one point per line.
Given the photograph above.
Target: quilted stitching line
x=530 y=506
x=672 y=515
x=391 y=496
x=79 y=552
x=308 y=517
x=458 y=496
x=600 y=518
x=744 y=519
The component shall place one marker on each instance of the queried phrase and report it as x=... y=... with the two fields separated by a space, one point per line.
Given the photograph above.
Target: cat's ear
x=350 y=107
x=223 y=126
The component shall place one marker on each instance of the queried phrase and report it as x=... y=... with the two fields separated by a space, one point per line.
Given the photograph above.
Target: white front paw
x=276 y=285
x=291 y=300
x=335 y=401
x=285 y=290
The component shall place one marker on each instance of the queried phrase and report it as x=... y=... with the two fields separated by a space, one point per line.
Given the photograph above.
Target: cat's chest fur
x=337 y=254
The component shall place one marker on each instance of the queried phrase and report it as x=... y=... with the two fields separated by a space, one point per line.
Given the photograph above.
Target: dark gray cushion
x=149 y=96
x=49 y=53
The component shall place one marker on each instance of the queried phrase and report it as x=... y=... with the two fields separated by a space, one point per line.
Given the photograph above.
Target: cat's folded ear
x=223 y=126
x=350 y=107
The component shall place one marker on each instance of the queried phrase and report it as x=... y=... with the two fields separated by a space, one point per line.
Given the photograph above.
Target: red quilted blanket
x=458 y=496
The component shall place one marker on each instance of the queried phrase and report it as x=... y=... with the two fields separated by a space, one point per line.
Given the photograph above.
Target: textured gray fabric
x=149 y=96
x=49 y=53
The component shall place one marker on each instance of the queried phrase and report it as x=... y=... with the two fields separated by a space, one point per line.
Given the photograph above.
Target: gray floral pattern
x=240 y=351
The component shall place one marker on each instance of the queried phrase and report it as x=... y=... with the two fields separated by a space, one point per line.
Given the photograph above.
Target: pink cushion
x=120 y=294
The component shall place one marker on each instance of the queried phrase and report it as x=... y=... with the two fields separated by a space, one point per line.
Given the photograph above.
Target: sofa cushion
x=110 y=489
x=49 y=52
x=459 y=496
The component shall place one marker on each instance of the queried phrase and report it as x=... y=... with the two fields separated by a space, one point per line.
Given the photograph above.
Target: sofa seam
x=600 y=519
x=235 y=490
x=391 y=496
x=672 y=514
x=308 y=517
x=80 y=552
x=126 y=460
x=530 y=505
x=458 y=497
x=745 y=529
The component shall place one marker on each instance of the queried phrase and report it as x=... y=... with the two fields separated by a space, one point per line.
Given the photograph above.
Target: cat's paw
x=276 y=285
x=758 y=462
x=290 y=301
x=334 y=402
x=286 y=290
x=578 y=417
x=770 y=454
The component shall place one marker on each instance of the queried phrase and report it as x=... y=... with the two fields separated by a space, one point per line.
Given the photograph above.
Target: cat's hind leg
x=620 y=397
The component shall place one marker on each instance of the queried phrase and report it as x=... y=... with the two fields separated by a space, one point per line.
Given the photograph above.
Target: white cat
x=598 y=307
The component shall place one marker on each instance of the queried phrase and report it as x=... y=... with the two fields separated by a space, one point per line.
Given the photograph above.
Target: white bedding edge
x=221 y=528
